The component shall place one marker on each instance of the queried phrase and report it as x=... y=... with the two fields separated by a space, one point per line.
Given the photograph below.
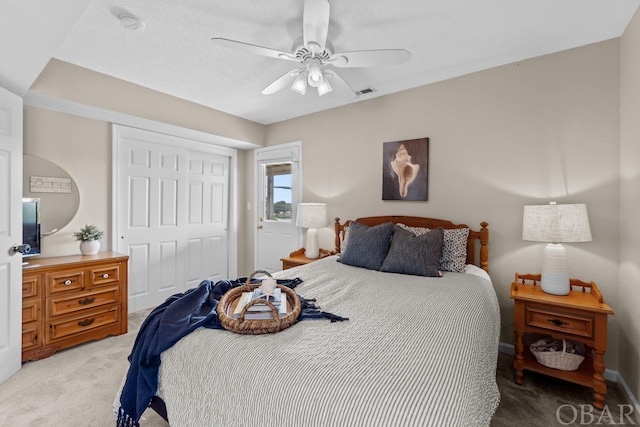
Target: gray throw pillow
x=417 y=255
x=367 y=246
x=454 y=247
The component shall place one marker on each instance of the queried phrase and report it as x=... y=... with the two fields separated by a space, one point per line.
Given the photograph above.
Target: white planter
x=90 y=247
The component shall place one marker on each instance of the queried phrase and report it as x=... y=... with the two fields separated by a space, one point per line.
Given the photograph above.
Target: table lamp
x=555 y=224
x=312 y=216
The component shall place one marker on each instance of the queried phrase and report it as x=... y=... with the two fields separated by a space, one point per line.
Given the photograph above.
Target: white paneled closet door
x=207 y=217
x=172 y=214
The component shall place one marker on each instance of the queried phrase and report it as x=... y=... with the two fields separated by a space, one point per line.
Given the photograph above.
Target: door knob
x=23 y=248
x=259 y=227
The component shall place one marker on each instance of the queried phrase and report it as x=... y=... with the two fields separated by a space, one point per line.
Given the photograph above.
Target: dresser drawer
x=30 y=311
x=106 y=275
x=69 y=303
x=65 y=327
x=30 y=335
x=30 y=285
x=566 y=322
x=66 y=281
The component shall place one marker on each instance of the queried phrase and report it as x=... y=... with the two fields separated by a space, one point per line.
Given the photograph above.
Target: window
x=277 y=192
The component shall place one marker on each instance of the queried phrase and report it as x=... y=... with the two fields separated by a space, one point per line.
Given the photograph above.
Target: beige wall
x=629 y=308
x=530 y=132
x=82 y=147
x=67 y=81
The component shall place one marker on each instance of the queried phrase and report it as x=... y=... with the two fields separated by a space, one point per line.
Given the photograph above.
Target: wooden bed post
x=484 y=246
x=337 y=227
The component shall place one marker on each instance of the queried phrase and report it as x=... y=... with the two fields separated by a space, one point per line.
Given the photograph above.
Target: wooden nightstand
x=297 y=258
x=580 y=316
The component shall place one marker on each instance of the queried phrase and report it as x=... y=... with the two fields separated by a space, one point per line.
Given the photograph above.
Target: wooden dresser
x=70 y=300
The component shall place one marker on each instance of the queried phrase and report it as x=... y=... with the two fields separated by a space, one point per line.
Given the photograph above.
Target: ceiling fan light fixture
x=324 y=88
x=300 y=84
x=316 y=77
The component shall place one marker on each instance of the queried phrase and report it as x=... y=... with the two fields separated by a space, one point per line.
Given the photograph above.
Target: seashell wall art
x=405 y=168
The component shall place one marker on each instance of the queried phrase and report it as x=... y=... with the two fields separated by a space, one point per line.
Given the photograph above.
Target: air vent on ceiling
x=365 y=91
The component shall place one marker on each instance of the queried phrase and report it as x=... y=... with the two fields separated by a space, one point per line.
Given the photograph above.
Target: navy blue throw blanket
x=178 y=316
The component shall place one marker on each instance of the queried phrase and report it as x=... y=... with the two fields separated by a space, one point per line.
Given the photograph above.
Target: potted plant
x=89 y=237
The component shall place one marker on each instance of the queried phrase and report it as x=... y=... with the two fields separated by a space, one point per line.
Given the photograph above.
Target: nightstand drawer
x=576 y=324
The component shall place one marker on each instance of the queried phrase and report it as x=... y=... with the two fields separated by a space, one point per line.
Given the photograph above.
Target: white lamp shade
x=556 y=223
x=312 y=215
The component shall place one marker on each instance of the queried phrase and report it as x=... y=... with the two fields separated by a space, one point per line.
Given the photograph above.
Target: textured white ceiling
x=447 y=38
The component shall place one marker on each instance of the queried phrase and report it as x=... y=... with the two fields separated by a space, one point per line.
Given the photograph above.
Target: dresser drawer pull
x=105 y=276
x=557 y=322
x=67 y=282
x=86 y=301
x=86 y=322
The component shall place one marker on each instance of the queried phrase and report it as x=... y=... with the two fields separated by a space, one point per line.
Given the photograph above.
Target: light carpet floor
x=76 y=387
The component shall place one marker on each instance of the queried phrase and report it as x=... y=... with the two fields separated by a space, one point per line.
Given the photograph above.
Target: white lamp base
x=312 y=250
x=555 y=278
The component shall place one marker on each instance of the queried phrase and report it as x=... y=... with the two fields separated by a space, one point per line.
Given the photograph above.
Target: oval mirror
x=58 y=193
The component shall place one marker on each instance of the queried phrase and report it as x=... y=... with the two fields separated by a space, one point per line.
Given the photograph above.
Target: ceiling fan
x=314 y=52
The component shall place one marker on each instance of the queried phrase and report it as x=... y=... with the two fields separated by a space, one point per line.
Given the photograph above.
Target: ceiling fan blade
x=315 y=24
x=369 y=58
x=281 y=82
x=251 y=48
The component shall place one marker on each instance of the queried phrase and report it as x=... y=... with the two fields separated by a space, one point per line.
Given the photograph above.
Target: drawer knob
x=557 y=322
x=86 y=301
x=105 y=276
x=86 y=322
x=67 y=282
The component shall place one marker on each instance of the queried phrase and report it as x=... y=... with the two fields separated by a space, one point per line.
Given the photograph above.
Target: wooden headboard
x=477 y=239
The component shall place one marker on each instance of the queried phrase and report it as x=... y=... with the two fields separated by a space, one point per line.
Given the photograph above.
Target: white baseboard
x=609 y=374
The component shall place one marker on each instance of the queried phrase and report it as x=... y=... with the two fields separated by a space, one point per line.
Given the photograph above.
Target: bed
x=416 y=351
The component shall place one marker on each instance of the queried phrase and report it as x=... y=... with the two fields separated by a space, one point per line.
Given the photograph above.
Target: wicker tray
x=257 y=327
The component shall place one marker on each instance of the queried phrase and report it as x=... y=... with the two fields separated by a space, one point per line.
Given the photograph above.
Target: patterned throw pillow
x=454 y=247
x=367 y=246
x=412 y=254
x=343 y=243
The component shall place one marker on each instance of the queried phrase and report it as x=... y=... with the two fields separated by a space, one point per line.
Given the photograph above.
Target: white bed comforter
x=416 y=352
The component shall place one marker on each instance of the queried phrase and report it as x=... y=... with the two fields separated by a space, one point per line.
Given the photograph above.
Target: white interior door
x=172 y=214
x=207 y=217
x=151 y=220
x=10 y=233
x=278 y=192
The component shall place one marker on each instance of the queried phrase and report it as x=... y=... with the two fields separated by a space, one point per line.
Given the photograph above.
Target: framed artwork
x=405 y=166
